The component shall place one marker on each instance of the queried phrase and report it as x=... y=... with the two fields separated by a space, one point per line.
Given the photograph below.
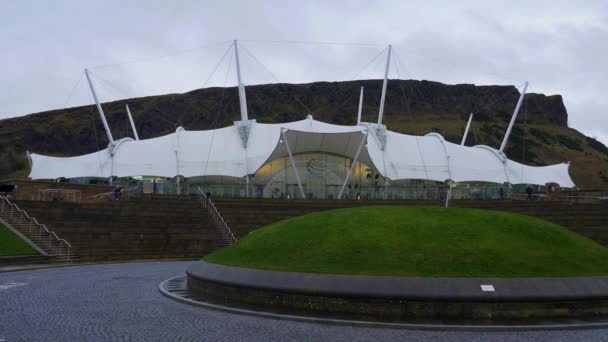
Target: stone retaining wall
x=147 y=228
x=398 y=298
x=588 y=219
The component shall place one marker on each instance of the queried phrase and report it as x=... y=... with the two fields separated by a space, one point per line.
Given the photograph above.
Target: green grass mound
x=12 y=245
x=418 y=241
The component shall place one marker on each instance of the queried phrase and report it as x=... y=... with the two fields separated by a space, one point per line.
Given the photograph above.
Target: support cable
x=217 y=65
x=214 y=121
x=273 y=76
x=345 y=99
x=112 y=85
x=400 y=83
x=419 y=95
x=73 y=90
x=354 y=162
x=293 y=163
x=179 y=52
x=310 y=42
x=422 y=157
x=491 y=103
x=366 y=65
x=219 y=111
x=460 y=68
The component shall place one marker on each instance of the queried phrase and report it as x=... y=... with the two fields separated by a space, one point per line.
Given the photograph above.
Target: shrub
x=571 y=143
x=541 y=135
x=598 y=146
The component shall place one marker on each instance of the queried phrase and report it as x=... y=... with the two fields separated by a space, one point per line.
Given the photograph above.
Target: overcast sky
x=136 y=48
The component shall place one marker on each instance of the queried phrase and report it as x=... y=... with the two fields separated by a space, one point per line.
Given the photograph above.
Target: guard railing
x=59 y=194
x=21 y=216
x=217 y=217
x=561 y=197
x=130 y=190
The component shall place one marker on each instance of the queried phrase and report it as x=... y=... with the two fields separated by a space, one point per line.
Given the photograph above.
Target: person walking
x=117 y=191
x=529 y=191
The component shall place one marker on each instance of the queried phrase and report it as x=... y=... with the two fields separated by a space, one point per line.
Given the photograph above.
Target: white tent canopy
x=220 y=152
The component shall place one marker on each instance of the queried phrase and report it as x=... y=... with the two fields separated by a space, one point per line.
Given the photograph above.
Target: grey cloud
x=559 y=46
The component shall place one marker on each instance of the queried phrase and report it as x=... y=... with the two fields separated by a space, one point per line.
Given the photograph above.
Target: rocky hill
x=541 y=135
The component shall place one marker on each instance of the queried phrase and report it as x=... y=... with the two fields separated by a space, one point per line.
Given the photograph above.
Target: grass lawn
x=12 y=245
x=418 y=241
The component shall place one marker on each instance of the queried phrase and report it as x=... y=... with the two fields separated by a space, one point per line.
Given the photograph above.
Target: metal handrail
x=543 y=196
x=33 y=220
x=215 y=214
x=76 y=199
x=109 y=193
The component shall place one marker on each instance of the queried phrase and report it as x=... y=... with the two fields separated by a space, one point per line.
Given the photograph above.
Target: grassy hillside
x=12 y=245
x=418 y=241
x=540 y=137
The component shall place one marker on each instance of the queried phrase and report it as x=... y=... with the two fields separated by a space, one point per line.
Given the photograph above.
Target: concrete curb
x=567 y=325
x=8 y=269
x=409 y=288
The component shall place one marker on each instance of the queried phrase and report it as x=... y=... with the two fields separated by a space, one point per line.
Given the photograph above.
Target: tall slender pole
x=466 y=130
x=293 y=164
x=132 y=122
x=448 y=195
x=242 y=97
x=177 y=180
x=352 y=166
x=360 y=107
x=383 y=97
x=243 y=105
x=513 y=118
x=99 y=109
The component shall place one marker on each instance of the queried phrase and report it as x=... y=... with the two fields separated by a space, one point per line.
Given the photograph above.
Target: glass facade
x=322 y=176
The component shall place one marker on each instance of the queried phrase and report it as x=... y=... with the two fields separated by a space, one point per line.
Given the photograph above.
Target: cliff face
x=416 y=107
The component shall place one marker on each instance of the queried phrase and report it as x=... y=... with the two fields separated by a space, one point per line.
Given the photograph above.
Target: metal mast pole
x=242 y=98
x=352 y=166
x=99 y=109
x=243 y=127
x=466 y=130
x=382 y=98
x=448 y=195
x=132 y=123
x=293 y=164
x=360 y=107
x=513 y=118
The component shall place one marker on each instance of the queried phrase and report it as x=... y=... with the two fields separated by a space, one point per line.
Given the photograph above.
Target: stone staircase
x=142 y=227
x=164 y=226
x=51 y=246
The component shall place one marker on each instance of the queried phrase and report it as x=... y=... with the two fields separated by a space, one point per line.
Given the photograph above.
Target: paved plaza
x=121 y=302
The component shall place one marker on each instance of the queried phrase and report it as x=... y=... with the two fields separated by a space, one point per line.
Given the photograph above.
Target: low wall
x=398 y=298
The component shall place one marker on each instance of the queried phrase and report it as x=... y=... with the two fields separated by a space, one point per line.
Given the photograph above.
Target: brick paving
x=121 y=302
